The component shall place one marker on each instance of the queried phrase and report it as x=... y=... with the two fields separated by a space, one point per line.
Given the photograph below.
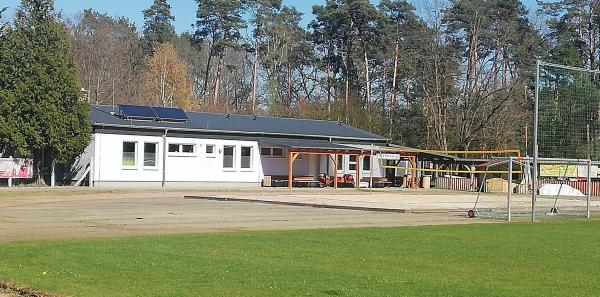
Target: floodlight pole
x=508 y=207
x=534 y=180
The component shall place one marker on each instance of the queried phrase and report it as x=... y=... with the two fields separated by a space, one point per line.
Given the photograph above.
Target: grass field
x=560 y=258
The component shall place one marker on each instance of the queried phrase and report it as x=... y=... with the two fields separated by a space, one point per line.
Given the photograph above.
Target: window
x=367 y=163
x=277 y=152
x=246 y=157
x=129 y=149
x=210 y=149
x=274 y=152
x=228 y=156
x=352 y=162
x=265 y=151
x=150 y=154
x=340 y=162
x=187 y=148
x=176 y=149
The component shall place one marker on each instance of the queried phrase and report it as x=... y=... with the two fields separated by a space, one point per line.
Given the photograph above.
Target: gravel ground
x=77 y=214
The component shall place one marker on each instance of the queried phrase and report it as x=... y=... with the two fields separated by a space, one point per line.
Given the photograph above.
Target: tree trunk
x=328 y=86
x=254 y=74
x=394 y=78
x=347 y=89
x=592 y=39
x=368 y=87
x=39 y=168
x=206 y=73
x=162 y=90
x=393 y=99
x=289 y=88
x=384 y=86
x=53 y=173
x=218 y=80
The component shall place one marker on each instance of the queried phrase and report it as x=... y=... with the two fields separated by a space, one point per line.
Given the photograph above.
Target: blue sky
x=183 y=10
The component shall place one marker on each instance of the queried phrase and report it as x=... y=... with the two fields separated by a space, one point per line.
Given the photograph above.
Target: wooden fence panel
x=453 y=183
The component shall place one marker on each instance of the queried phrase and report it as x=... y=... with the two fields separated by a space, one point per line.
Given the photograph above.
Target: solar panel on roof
x=137 y=112
x=170 y=114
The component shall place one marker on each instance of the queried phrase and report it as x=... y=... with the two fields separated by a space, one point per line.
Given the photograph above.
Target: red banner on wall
x=16 y=168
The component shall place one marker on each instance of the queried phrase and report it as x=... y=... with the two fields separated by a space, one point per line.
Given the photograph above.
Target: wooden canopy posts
x=412 y=159
x=291 y=158
x=333 y=156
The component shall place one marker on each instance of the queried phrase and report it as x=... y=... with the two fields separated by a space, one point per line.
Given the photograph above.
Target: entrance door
x=390 y=173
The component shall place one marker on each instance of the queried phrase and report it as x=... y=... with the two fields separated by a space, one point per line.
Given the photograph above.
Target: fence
x=566 y=127
x=15 y=168
x=456 y=183
x=578 y=184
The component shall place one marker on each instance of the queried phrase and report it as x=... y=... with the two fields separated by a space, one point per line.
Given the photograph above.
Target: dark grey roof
x=241 y=124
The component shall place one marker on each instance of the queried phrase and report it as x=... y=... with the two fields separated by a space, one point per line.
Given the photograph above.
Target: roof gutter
x=243 y=132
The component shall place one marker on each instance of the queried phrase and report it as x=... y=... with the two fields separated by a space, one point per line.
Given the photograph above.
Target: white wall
x=200 y=167
x=376 y=169
x=180 y=168
x=108 y=159
x=279 y=165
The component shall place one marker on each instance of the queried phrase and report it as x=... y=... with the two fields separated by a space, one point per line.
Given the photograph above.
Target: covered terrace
x=331 y=150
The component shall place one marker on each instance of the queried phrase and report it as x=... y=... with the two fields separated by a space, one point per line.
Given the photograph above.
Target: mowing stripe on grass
x=558 y=258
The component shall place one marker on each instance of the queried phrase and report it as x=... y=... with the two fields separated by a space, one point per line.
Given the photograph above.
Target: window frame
x=179 y=152
x=352 y=163
x=156 y=151
x=364 y=159
x=277 y=156
x=266 y=148
x=135 y=157
x=214 y=150
x=183 y=152
x=271 y=152
x=169 y=148
x=340 y=163
x=233 y=163
x=251 y=161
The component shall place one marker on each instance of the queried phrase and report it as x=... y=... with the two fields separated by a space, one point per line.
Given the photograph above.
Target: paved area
x=77 y=214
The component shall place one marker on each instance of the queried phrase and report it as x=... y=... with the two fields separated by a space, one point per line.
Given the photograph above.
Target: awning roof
x=422 y=155
x=309 y=145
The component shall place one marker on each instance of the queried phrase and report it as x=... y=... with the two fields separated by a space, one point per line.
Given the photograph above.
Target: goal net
x=565 y=190
x=566 y=140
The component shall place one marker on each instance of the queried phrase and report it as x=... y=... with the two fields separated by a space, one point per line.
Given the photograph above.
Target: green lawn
x=559 y=258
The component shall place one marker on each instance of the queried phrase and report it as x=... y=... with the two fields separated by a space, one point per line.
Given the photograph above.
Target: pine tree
x=218 y=26
x=42 y=111
x=2 y=24
x=158 y=28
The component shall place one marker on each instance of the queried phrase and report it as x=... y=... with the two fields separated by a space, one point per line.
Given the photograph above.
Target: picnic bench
x=300 y=181
x=378 y=182
x=307 y=181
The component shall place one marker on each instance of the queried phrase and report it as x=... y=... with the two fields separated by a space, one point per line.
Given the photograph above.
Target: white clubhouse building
x=133 y=147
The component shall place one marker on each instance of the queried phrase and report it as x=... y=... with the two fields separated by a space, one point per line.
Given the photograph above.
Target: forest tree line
x=459 y=75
